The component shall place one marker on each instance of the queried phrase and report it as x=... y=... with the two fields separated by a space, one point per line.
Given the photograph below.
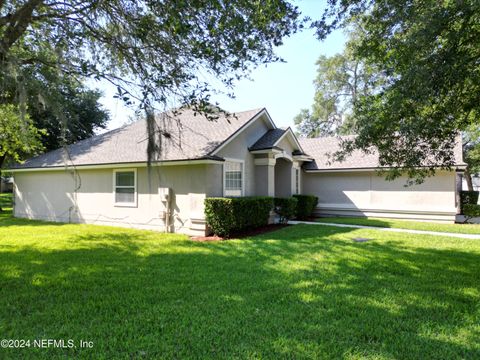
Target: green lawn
x=6 y=201
x=405 y=224
x=300 y=292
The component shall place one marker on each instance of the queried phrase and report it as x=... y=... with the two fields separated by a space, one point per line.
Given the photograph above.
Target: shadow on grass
x=6 y=219
x=360 y=220
x=299 y=292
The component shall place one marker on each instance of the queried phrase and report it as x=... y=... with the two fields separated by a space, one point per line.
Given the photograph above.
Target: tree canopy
x=58 y=103
x=17 y=136
x=157 y=53
x=428 y=51
x=471 y=153
x=341 y=80
x=74 y=115
x=153 y=51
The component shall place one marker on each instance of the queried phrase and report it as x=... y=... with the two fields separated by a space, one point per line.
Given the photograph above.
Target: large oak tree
x=157 y=53
x=429 y=51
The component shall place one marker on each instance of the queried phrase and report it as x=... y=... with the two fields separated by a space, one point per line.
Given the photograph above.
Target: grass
x=6 y=200
x=405 y=224
x=301 y=292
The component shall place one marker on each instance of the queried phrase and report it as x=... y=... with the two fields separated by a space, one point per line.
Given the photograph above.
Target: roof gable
x=185 y=136
x=290 y=136
x=274 y=137
x=262 y=115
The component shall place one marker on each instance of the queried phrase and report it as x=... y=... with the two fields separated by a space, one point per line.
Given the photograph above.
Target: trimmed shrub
x=228 y=215
x=471 y=211
x=305 y=206
x=286 y=208
x=468 y=197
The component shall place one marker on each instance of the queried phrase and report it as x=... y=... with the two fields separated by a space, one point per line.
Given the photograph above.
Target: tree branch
x=19 y=22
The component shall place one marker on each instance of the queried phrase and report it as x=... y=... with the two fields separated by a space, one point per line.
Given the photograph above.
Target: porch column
x=265 y=176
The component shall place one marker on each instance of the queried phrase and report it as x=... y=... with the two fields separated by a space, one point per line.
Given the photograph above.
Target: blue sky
x=282 y=88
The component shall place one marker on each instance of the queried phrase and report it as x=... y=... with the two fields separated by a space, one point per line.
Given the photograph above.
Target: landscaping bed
x=243 y=234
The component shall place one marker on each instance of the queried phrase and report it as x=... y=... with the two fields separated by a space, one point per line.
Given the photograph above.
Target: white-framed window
x=125 y=187
x=297 y=181
x=233 y=178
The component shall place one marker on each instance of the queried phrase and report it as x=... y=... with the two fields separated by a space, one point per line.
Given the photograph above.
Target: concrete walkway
x=422 y=232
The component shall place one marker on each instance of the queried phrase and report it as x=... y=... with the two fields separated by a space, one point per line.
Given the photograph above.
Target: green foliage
x=56 y=101
x=471 y=152
x=225 y=216
x=471 y=211
x=18 y=136
x=6 y=200
x=467 y=198
x=285 y=208
x=157 y=53
x=305 y=206
x=428 y=51
x=219 y=215
x=472 y=158
x=341 y=80
x=69 y=113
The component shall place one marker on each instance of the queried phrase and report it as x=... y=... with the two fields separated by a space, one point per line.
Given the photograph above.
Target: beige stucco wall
x=238 y=149
x=367 y=194
x=50 y=195
x=214 y=180
x=283 y=178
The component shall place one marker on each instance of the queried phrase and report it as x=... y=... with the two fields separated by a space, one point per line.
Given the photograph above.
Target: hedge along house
x=106 y=180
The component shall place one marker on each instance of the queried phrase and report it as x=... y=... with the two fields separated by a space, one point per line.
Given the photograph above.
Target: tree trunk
x=16 y=25
x=468 y=178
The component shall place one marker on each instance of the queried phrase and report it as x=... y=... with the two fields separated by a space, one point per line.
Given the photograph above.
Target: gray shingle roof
x=321 y=148
x=268 y=140
x=188 y=137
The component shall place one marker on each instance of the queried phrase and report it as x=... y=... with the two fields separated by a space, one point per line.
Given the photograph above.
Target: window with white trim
x=233 y=178
x=125 y=187
x=297 y=181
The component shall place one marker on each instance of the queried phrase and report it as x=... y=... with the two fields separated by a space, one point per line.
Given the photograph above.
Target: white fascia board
x=302 y=158
x=118 y=165
x=266 y=151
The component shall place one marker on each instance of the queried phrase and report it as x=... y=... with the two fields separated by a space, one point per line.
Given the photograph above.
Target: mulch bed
x=243 y=234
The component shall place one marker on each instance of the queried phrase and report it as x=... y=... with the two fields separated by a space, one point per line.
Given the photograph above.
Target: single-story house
x=106 y=180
